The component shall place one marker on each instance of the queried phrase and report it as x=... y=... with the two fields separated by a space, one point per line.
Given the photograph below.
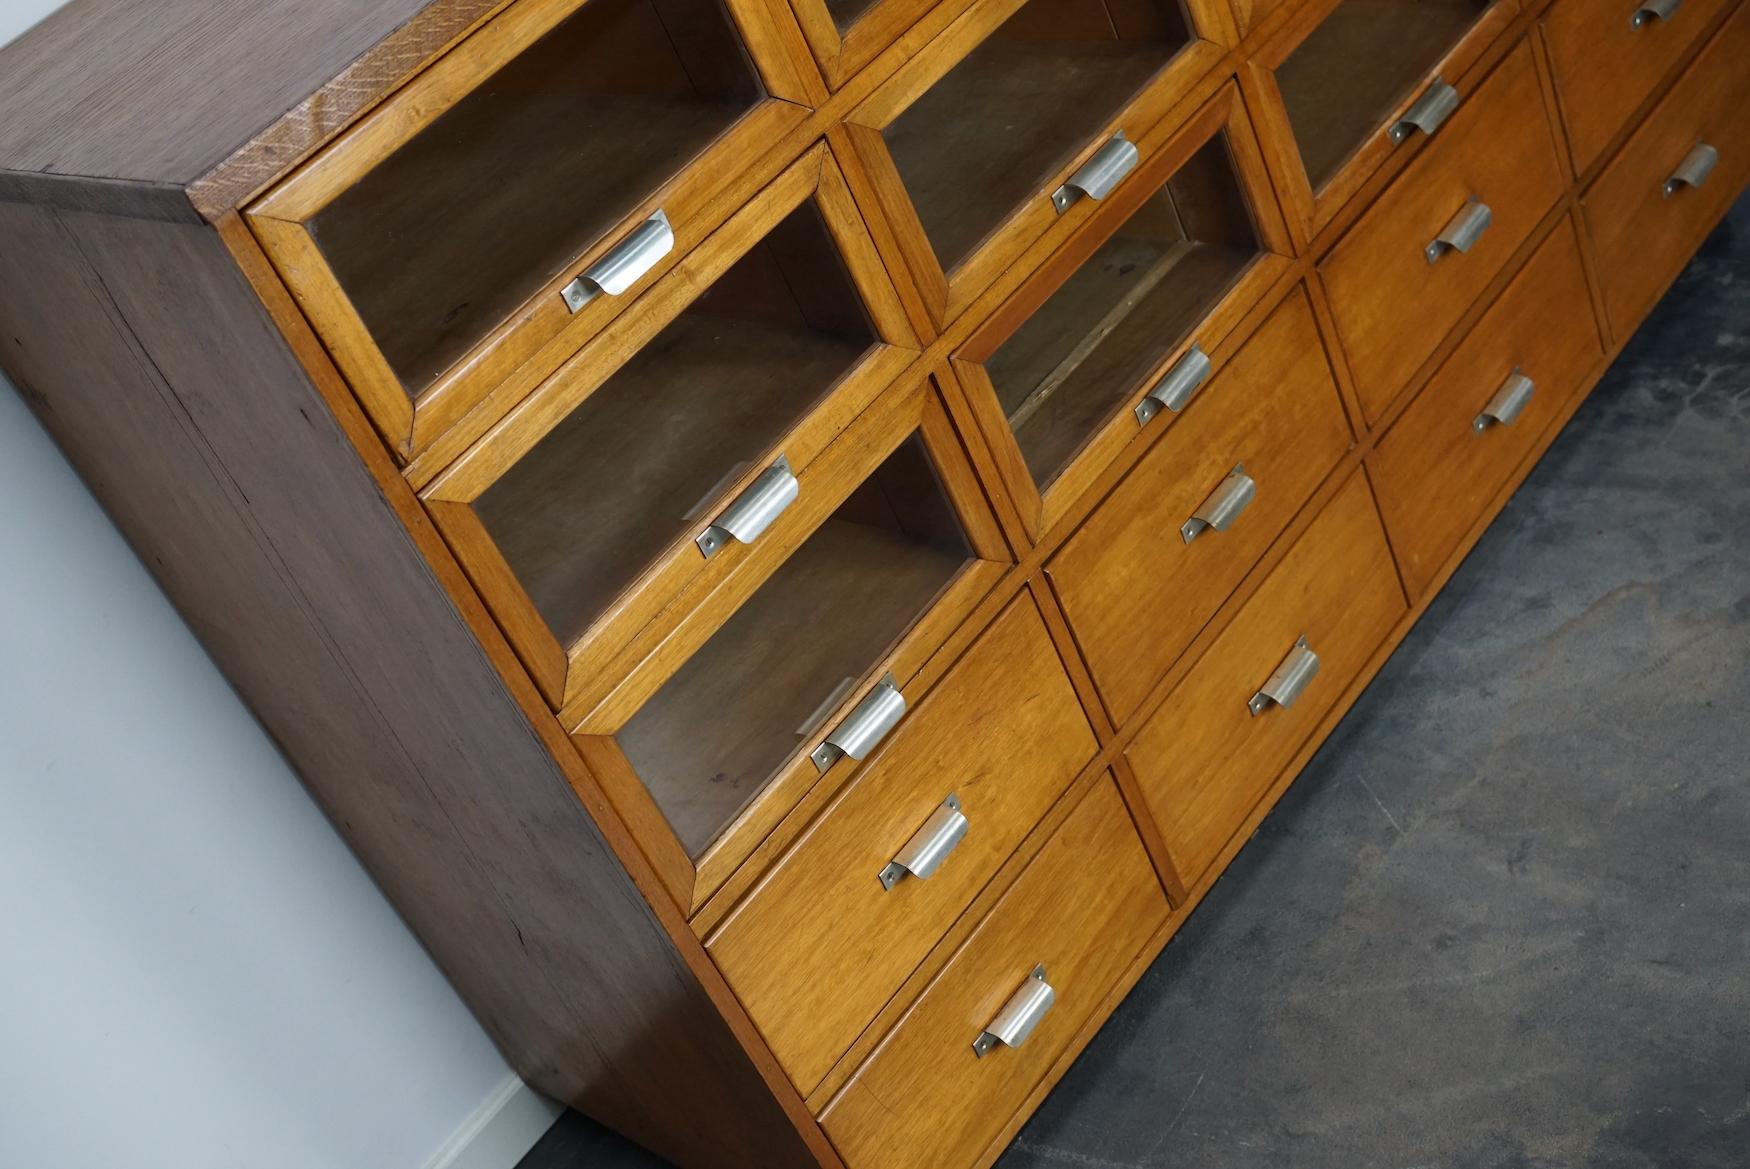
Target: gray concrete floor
x=1502 y=921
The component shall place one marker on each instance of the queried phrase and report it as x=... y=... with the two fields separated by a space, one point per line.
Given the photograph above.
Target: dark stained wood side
x=213 y=96
x=159 y=372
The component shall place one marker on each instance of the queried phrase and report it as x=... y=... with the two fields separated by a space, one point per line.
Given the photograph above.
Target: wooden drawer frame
x=602 y=709
x=1310 y=212
x=842 y=53
x=782 y=973
x=562 y=671
x=1469 y=162
x=947 y=294
x=543 y=326
x=1040 y=510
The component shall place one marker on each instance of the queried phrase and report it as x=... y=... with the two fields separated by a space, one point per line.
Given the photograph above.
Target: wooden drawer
x=433 y=245
x=1607 y=60
x=1135 y=590
x=579 y=515
x=714 y=723
x=1445 y=459
x=1083 y=911
x=1204 y=760
x=1644 y=235
x=823 y=941
x=1393 y=303
x=1155 y=283
x=1336 y=86
x=967 y=144
x=846 y=35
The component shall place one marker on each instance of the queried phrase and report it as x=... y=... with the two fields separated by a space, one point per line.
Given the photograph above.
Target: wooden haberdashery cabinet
x=796 y=538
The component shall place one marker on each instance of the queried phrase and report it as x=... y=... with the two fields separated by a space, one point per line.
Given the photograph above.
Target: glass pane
x=452 y=233
x=716 y=732
x=1345 y=78
x=993 y=132
x=845 y=13
x=643 y=459
x=1087 y=350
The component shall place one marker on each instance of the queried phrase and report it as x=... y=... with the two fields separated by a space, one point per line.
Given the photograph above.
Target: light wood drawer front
x=1204 y=760
x=1445 y=459
x=1644 y=236
x=1393 y=305
x=1083 y=910
x=820 y=946
x=1606 y=65
x=1135 y=591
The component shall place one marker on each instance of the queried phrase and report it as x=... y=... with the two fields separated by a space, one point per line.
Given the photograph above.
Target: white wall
x=194 y=971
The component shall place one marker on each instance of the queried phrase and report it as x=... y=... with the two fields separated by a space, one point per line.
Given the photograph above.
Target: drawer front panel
x=1444 y=460
x=1204 y=759
x=1135 y=590
x=1083 y=910
x=1393 y=304
x=1644 y=236
x=821 y=945
x=1606 y=64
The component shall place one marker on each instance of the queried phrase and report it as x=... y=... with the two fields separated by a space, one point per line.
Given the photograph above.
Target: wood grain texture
x=819 y=945
x=1434 y=471
x=1392 y=305
x=1203 y=760
x=1605 y=66
x=1083 y=909
x=149 y=358
x=1642 y=235
x=166 y=93
x=1134 y=592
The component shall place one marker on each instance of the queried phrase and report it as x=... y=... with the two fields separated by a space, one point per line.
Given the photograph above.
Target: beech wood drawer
x=832 y=931
x=1343 y=87
x=1448 y=455
x=1128 y=319
x=517 y=195
x=1609 y=58
x=580 y=515
x=714 y=723
x=1135 y=586
x=1396 y=289
x=1643 y=217
x=982 y=142
x=1080 y=914
x=1204 y=759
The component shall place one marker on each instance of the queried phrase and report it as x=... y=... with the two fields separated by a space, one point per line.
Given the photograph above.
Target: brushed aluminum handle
x=1654 y=10
x=1694 y=170
x=1020 y=1017
x=1508 y=403
x=864 y=727
x=1100 y=175
x=1429 y=112
x=1289 y=681
x=1466 y=228
x=1225 y=505
x=932 y=844
x=754 y=510
x=626 y=263
x=1177 y=386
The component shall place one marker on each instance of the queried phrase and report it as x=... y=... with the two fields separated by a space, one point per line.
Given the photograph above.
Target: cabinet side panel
x=157 y=370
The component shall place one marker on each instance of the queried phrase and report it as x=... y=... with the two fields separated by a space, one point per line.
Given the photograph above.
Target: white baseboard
x=501 y=1131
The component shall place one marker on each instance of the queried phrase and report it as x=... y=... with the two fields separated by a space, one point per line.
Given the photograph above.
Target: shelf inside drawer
x=767 y=681
x=646 y=456
x=992 y=132
x=449 y=235
x=1089 y=348
x=1344 y=80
